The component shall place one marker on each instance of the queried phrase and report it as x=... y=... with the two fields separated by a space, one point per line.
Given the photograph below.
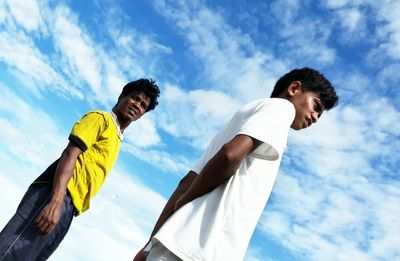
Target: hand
x=49 y=217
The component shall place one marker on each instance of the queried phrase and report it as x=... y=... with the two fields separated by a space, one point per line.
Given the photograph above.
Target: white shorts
x=158 y=252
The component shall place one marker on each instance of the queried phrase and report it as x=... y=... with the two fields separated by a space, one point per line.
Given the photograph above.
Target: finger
x=48 y=226
x=41 y=229
x=42 y=225
x=43 y=221
x=41 y=218
x=48 y=229
x=45 y=228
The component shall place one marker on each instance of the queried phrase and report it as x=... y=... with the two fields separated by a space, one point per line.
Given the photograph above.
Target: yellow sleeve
x=88 y=129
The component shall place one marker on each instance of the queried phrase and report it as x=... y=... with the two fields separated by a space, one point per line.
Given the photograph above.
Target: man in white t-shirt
x=214 y=211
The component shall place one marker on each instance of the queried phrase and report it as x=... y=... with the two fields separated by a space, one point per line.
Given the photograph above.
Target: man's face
x=132 y=106
x=308 y=107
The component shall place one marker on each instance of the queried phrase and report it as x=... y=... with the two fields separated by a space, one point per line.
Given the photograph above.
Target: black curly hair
x=147 y=86
x=311 y=80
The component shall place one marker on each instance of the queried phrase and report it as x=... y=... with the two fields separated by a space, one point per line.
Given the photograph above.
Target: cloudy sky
x=337 y=195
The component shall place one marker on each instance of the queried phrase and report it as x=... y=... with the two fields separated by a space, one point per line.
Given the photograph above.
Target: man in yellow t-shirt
x=65 y=188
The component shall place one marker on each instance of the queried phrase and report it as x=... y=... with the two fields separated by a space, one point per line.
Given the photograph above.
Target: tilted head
x=136 y=98
x=309 y=91
x=145 y=86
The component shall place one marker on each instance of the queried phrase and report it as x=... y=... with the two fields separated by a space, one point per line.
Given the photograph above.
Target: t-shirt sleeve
x=268 y=123
x=87 y=130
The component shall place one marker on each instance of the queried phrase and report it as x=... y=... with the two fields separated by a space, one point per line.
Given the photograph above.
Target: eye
x=143 y=105
x=318 y=107
x=141 y=102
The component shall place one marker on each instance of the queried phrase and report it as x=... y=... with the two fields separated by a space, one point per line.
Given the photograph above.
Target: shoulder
x=96 y=117
x=97 y=114
x=276 y=105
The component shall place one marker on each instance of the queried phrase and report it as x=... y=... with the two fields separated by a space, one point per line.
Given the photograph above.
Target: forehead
x=315 y=96
x=140 y=94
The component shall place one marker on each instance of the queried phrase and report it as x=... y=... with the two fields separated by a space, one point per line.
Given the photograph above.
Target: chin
x=293 y=127
x=298 y=127
x=134 y=118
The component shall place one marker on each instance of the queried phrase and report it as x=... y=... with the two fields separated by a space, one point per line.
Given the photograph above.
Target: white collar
x=116 y=121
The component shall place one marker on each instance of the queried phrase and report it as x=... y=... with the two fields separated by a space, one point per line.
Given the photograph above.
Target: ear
x=294 y=88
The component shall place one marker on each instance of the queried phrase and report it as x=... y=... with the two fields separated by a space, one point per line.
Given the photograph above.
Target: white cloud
x=118 y=223
x=26 y=13
x=255 y=254
x=142 y=133
x=116 y=226
x=306 y=37
x=3 y=12
x=79 y=59
x=14 y=176
x=381 y=16
x=22 y=131
x=276 y=223
x=337 y=196
x=388 y=76
x=390 y=30
x=113 y=81
x=172 y=163
x=194 y=115
x=76 y=46
x=135 y=53
x=229 y=58
x=20 y=53
x=331 y=207
x=97 y=73
x=129 y=39
x=336 y=3
x=351 y=18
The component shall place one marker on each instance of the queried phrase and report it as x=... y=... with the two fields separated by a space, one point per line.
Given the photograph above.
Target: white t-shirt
x=219 y=224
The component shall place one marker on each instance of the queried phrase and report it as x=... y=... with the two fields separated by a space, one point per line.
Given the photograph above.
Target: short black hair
x=311 y=80
x=147 y=86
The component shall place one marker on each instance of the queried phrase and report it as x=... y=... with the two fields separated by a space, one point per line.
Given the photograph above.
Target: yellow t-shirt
x=98 y=135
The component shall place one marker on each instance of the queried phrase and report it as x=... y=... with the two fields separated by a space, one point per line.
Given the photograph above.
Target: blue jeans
x=19 y=240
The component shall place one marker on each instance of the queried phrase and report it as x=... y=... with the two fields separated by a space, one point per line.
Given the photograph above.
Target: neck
x=123 y=123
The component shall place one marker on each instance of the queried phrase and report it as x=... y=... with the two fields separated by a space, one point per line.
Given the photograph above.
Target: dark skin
x=224 y=164
x=50 y=214
x=129 y=108
x=217 y=170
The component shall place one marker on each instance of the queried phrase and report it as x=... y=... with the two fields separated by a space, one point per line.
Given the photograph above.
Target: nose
x=136 y=104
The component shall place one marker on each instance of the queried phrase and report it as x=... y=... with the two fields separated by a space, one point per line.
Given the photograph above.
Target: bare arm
x=219 y=168
x=50 y=214
x=168 y=210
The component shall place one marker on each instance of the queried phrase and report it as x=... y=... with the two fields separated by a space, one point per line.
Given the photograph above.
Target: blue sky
x=337 y=195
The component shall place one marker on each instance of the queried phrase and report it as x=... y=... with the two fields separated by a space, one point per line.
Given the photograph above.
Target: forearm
x=217 y=170
x=170 y=205
x=50 y=214
x=64 y=171
x=220 y=168
x=62 y=176
x=169 y=208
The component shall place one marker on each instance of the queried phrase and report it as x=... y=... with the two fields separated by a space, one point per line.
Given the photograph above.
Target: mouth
x=308 y=122
x=132 y=111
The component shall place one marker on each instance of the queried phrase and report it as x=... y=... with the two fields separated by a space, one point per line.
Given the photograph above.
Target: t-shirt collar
x=115 y=120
